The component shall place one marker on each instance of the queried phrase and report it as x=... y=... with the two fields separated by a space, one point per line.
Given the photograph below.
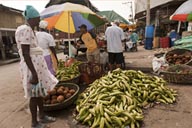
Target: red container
x=101 y=44
x=164 y=42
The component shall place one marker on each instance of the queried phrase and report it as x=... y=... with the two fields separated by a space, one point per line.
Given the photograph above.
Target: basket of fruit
x=62 y=96
x=180 y=74
x=178 y=56
x=68 y=72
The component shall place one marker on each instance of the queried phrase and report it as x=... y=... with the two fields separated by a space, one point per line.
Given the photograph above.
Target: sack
x=158 y=63
x=129 y=44
x=38 y=91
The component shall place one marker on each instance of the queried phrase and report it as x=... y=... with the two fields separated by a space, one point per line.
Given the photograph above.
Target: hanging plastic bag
x=158 y=63
x=38 y=90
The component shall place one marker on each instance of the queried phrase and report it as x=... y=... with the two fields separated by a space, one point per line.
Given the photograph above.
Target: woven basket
x=92 y=70
x=172 y=76
x=74 y=80
x=65 y=103
x=179 y=52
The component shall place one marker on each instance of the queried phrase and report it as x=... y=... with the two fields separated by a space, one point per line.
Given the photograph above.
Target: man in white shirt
x=47 y=43
x=115 y=36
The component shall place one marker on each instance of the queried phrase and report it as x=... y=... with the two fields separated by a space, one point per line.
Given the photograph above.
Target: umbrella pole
x=179 y=26
x=69 y=38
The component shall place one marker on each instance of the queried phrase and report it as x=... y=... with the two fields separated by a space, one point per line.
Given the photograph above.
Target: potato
x=60 y=98
x=47 y=97
x=53 y=101
x=169 y=60
x=61 y=87
x=68 y=95
x=188 y=57
x=72 y=91
x=60 y=91
x=54 y=97
x=53 y=92
x=175 y=55
x=66 y=89
x=65 y=92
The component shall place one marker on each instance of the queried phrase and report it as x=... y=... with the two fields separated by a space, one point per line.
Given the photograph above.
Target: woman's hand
x=34 y=80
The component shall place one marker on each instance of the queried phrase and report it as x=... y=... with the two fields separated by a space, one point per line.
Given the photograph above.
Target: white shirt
x=114 y=36
x=45 y=40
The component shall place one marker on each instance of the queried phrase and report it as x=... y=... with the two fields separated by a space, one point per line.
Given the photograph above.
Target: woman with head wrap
x=47 y=43
x=36 y=78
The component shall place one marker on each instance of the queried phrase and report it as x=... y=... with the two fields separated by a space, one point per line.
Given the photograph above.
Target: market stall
x=174 y=65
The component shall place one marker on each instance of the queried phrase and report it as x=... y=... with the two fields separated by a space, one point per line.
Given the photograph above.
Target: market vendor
x=47 y=43
x=89 y=39
x=134 y=38
x=115 y=36
x=36 y=78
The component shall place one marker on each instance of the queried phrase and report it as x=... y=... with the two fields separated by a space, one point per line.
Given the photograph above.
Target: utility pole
x=131 y=7
x=148 y=13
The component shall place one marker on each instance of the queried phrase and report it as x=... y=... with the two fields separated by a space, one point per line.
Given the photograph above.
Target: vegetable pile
x=67 y=71
x=178 y=58
x=116 y=100
x=58 y=95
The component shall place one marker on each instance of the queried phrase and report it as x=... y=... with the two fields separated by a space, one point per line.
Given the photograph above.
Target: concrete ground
x=12 y=102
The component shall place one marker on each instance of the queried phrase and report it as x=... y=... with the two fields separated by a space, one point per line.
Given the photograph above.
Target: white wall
x=141 y=5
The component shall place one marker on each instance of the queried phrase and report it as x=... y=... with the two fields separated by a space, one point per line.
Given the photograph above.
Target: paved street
x=13 y=115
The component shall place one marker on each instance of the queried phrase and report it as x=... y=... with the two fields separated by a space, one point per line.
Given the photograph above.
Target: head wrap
x=30 y=12
x=43 y=24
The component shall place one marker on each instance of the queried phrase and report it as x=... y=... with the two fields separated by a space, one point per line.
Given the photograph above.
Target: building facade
x=160 y=12
x=10 y=19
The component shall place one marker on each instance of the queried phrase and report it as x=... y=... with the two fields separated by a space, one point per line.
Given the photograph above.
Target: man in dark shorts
x=115 y=36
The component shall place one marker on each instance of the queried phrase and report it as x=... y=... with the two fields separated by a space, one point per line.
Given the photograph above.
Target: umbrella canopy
x=184 y=12
x=112 y=16
x=82 y=2
x=68 y=17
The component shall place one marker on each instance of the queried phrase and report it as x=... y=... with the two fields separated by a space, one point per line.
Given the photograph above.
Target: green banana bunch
x=64 y=73
x=117 y=99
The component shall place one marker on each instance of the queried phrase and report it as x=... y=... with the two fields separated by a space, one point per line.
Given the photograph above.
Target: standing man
x=89 y=39
x=115 y=36
x=47 y=43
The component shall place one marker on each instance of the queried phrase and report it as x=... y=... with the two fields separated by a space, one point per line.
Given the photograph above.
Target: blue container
x=149 y=31
x=148 y=43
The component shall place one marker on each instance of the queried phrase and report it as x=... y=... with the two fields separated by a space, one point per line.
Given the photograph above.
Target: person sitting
x=134 y=39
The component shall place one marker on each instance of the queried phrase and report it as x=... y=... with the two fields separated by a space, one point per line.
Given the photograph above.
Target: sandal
x=40 y=125
x=47 y=119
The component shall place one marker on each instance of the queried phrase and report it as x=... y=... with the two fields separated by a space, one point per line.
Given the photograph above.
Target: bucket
x=165 y=42
x=156 y=42
x=149 y=31
x=148 y=43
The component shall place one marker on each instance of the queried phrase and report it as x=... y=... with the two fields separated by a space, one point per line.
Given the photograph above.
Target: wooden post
x=148 y=13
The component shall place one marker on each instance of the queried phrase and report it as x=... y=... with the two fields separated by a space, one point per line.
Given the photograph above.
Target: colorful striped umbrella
x=68 y=17
x=183 y=13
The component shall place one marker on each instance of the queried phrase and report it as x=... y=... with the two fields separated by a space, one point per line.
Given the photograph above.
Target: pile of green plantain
x=116 y=100
x=65 y=73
